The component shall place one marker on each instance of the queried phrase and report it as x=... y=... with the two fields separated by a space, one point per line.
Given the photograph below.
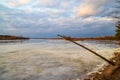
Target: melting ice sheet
x=50 y=60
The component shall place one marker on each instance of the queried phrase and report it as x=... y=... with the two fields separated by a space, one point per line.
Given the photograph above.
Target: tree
x=116 y=15
x=117 y=35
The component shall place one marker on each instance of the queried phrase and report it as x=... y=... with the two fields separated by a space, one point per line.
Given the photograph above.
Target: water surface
x=50 y=59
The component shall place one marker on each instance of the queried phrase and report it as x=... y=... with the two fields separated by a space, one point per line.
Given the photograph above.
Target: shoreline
x=107 y=72
x=10 y=37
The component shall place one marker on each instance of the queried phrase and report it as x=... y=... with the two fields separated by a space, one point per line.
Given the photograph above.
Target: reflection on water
x=39 y=59
x=12 y=41
x=22 y=41
x=111 y=43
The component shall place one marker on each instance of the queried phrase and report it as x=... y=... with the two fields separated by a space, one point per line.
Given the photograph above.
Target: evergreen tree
x=117 y=35
x=116 y=14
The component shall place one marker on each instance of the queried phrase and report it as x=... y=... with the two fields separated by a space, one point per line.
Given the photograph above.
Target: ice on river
x=50 y=60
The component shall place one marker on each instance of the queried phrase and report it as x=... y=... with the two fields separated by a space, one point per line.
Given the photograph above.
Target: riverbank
x=9 y=37
x=108 y=72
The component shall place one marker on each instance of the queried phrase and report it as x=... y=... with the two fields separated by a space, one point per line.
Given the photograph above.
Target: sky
x=47 y=18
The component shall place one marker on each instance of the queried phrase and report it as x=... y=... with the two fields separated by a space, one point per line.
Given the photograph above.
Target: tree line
x=8 y=37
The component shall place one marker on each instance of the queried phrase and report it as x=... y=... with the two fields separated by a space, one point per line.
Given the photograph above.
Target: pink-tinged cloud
x=15 y=3
x=90 y=7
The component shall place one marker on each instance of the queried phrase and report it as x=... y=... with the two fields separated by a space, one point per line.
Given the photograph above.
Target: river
x=51 y=59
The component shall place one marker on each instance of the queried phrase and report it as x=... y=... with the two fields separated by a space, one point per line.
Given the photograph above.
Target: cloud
x=48 y=2
x=46 y=18
x=68 y=26
x=15 y=3
x=66 y=4
x=90 y=7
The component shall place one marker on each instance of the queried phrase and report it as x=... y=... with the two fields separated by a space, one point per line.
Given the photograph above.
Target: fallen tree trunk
x=109 y=72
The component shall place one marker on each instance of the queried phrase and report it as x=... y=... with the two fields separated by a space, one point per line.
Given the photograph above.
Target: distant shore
x=9 y=37
x=82 y=39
